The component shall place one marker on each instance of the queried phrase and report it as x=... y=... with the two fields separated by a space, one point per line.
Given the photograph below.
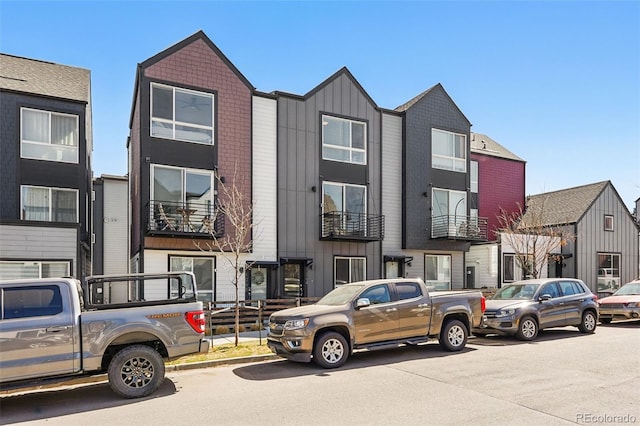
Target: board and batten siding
x=592 y=239
x=392 y=187
x=265 y=200
x=115 y=226
x=39 y=243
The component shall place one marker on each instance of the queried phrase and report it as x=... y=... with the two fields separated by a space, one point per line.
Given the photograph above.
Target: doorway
x=471 y=277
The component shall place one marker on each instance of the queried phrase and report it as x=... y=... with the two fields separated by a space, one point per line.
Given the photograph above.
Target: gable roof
x=407 y=105
x=43 y=78
x=483 y=144
x=565 y=206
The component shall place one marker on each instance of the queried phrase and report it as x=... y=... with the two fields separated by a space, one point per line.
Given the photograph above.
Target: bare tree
x=534 y=239
x=235 y=206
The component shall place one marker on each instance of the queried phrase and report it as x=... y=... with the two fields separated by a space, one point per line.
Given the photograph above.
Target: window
x=349 y=269
x=448 y=151
x=377 y=294
x=181 y=114
x=13 y=270
x=551 y=289
x=49 y=136
x=348 y=203
x=608 y=272
x=49 y=204
x=177 y=188
x=344 y=140
x=437 y=271
x=449 y=210
x=202 y=267
x=408 y=291
x=474 y=177
x=608 y=222
x=31 y=301
x=512 y=270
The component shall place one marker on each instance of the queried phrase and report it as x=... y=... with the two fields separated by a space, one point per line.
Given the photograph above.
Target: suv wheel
x=527 y=329
x=588 y=323
x=330 y=350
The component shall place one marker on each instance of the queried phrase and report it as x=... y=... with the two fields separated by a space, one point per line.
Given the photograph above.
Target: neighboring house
x=330 y=222
x=604 y=252
x=197 y=122
x=427 y=191
x=45 y=154
x=110 y=225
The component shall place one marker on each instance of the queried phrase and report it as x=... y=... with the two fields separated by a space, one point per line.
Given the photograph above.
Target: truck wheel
x=527 y=329
x=453 y=336
x=588 y=323
x=136 y=371
x=330 y=350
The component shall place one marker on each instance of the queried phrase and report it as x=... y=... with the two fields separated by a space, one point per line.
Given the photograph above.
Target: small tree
x=533 y=239
x=234 y=204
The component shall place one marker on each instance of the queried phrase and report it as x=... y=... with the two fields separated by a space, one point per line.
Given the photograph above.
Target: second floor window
x=346 y=204
x=448 y=151
x=344 y=140
x=48 y=136
x=41 y=203
x=176 y=188
x=181 y=114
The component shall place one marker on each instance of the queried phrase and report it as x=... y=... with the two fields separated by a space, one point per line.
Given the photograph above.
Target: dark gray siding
x=434 y=110
x=301 y=168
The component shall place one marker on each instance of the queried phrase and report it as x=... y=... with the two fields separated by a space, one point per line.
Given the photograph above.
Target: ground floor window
x=437 y=271
x=513 y=270
x=204 y=270
x=349 y=269
x=10 y=270
x=608 y=272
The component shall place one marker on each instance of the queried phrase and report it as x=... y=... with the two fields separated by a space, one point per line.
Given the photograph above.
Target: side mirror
x=363 y=302
x=544 y=297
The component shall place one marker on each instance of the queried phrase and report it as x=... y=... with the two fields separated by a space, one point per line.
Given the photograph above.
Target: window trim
x=175 y=122
x=350 y=259
x=49 y=188
x=344 y=188
x=75 y=148
x=214 y=262
x=438 y=256
x=473 y=176
x=609 y=223
x=40 y=264
x=350 y=148
x=184 y=171
x=462 y=160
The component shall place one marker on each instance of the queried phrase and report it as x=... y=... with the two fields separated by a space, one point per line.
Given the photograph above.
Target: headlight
x=633 y=305
x=506 y=313
x=295 y=324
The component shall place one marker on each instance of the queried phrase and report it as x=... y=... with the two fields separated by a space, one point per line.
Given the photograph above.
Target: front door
x=292 y=284
x=379 y=321
x=551 y=311
x=392 y=269
x=414 y=310
x=258 y=282
x=471 y=277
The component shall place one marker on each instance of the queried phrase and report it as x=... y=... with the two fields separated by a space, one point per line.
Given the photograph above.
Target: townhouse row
x=341 y=188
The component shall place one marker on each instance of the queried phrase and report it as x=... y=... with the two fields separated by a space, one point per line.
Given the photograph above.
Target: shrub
x=222 y=329
x=256 y=327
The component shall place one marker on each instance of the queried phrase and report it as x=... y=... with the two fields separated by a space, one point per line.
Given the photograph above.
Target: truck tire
x=136 y=371
x=330 y=350
x=453 y=336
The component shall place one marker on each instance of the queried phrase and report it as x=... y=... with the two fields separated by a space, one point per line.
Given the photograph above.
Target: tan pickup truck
x=49 y=331
x=370 y=314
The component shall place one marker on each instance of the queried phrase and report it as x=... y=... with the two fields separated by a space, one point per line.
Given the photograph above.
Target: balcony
x=464 y=228
x=168 y=218
x=343 y=226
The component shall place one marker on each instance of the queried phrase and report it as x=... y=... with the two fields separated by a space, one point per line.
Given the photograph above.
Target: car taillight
x=483 y=304
x=196 y=320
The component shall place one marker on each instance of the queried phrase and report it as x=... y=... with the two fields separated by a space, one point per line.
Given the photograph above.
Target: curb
x=221 y=362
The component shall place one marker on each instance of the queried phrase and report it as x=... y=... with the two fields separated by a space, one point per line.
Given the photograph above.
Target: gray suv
x=525 y=307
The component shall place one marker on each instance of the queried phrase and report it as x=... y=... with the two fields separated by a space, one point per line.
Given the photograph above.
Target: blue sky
x=557 y=83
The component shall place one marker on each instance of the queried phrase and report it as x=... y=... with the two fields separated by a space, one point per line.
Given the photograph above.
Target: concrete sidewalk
x=246 y=336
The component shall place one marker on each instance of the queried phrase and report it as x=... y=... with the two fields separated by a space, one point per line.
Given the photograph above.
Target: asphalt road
x=564 y=377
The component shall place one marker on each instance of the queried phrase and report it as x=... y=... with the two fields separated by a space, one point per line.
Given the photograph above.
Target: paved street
x=564 y=377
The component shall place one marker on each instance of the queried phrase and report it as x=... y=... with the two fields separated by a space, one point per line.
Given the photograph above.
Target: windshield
x=340 y=295
x=628 y=289
x=516 y=292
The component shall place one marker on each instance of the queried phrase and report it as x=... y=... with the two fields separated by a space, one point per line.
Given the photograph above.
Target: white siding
x=264 y=179
x=485 y=259
x=115 y=249
x=39 y=243
x=392 y=184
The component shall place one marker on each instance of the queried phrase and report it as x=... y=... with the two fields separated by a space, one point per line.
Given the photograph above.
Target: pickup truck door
x=37 y=333
x=379 y=321
x=414 y=310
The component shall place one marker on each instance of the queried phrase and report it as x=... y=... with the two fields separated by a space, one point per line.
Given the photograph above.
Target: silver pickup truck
x=49 y=331
x=371 y=314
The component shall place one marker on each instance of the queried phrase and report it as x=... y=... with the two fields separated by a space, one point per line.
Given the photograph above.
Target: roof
x=44 y=78
x=483 y=144
x=564 y=206
x=438 y=87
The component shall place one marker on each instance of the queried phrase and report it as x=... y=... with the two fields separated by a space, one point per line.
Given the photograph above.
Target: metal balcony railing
x=170 y=217
x=466 y=228
x=352 y=226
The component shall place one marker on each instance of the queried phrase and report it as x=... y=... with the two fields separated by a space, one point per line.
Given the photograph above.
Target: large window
x=348 y=203
x=181 y=114
x=608 y=272
x=474 y=177
x=449 y=212
x=202 y=267
x=183 y=188
x=449 y=150
x=437 y=271
x=349 y=269
x=344 y=140
x=49 y=204
x=13 y=270
x=48 y=136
